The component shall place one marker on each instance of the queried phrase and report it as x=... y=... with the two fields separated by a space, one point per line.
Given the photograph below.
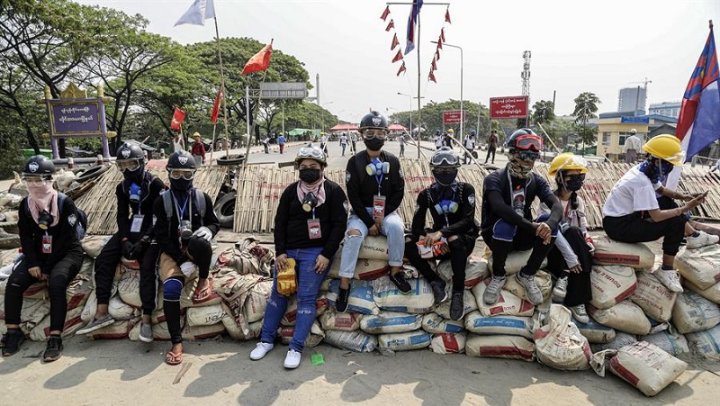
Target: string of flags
x=395 y=41
x=440 y=42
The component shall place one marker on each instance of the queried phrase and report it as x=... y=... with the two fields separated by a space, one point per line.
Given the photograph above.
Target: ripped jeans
x=308 y=286
x=392 y=227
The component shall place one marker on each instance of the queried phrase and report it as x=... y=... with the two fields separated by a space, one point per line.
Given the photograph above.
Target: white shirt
x=469 y=143
x=178 y=144
x=632 y=193
x=438 y=141
x=632 y=142
x=324 y=139
x=343 y=140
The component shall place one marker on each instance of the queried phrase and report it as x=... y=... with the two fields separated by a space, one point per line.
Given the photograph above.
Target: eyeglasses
x=529 y=142
x=374 y=133
x=528 y=155
x=128 y=164
x=181 y=173
x=35 y=179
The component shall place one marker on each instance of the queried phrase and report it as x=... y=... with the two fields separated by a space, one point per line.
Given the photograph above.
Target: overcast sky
x=577 y=46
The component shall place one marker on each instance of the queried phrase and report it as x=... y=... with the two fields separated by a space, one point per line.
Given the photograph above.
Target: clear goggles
x=186 y=174
x=445 y=160
x=371 y=133
x=309 y=153
x=128 y=164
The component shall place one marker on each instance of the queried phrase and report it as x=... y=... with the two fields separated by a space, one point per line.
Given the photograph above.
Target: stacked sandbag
x=397 y=331
x=247 y=257
x=515 y=261
x=507 y=304
x=559 y=344
x=388 y=297
x=244 y=297
x=365 y=269
x=625 y=316
x=611 y=252
x=611 y=284
x=653 y=297
x=706 y=343
x=596 y=333
x=360 y=300
x=313 y=339
x=700 y=266
x=476 y=270
x=669 y=341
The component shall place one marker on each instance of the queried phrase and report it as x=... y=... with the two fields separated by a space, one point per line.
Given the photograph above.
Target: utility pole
x=525 y=75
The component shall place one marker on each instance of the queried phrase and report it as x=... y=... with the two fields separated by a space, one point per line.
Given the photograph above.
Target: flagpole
x=247 y=103
x=222 y=89
x=212 y=147
x=419 y=120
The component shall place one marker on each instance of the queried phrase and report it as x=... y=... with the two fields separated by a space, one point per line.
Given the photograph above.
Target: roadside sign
x=452 y=117
x=508 y=107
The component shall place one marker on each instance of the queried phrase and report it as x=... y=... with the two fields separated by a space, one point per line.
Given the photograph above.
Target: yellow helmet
x=667 y=147
x=567 y=161
x=450 y=131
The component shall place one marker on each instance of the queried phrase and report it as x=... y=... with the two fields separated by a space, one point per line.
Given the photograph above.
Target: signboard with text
x=508 y=107
x=452 y=117
x=76 y=117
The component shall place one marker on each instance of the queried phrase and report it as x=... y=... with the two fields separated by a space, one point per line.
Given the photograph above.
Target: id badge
x=378 y=208
x=518 y=201
x=47 y=244
x=136 y=225
x=314 y=229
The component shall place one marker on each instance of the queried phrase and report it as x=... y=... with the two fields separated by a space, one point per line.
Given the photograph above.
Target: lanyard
x=379 y=180
x=181 y=210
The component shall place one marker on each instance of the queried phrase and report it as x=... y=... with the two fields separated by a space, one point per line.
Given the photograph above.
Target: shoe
x=492 y=291
x=534 y=294
x=580 y=313
x=96 y=324
x=701 y=240
x=399 y=280
x=12 y=340
x=560 y=289
x=457 y=307
x=146 y=334
x=261 y=349
x=341 y=303
x=54 y=349
x=292 y=359
x=669 y=278
x=438 y=288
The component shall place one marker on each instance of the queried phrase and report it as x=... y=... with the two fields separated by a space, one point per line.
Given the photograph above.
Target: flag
x=216 y=107
x=198 y=12
x=437 y=54
x=447 y=15
x=390 y=25
x=177 y=119
x=398 y=56
x=431 y=76
x=433 y=65
x=412 y=20
x=260 y=61
x=439 y=42
x=402 y=69
x=385 y=13
x=442 y=34
x=395 y=42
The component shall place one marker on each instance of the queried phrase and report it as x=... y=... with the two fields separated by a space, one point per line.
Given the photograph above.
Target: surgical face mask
x=374 y=144
x=573 y=183
x=38 y=190
x=309 y=175
x=181 y=185
x=519 y=168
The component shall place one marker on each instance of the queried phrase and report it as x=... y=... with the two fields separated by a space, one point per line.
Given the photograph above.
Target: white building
x=670 y=109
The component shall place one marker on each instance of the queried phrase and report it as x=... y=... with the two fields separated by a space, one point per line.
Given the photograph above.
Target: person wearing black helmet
x=375 y=189
x=133 y=243
x=507 y=224
x=309 y=226
x=185 y=225
x=454 y=230
x=51 y=252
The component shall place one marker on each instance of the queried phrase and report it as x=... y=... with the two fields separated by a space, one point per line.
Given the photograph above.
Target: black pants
x=59 y=276
x=523 y=240
x=578 y=290
x=633 y=228
x=491 y=150
x=402 y=150
x=106 y=264
x=460 y=249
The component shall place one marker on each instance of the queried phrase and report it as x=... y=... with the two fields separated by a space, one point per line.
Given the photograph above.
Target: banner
x=508 y=107
x=75 y=117
x=452 y=117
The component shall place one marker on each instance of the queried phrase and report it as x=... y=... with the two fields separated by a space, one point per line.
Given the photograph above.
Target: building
x=614 y=128
x=632 y=99
x=670 y=109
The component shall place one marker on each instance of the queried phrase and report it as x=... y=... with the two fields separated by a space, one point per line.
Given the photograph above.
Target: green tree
x=432 y=114
x=543 y=112
x=308 y=115
x=585 y=109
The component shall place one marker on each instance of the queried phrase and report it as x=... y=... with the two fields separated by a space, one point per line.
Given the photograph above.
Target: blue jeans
x=392 y=227
x=308 y=287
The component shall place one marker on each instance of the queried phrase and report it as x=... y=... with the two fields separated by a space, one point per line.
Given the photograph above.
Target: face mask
x=650 y=170
x=134 y=192
x=181 y=185
x=445 y=178
x=519 y=168
x=665 y=167
x=446 y=207
x=377 y=168
x=134 y=176
x=374 y=144
x=309 y=202
x=39 y=191
x=309 y=175
x=573 y=183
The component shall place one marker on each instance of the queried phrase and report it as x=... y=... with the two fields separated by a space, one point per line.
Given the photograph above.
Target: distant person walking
x=324 y=144
x=469 y=144
x=343 y=142
x=266 y=142
x=402 y=141
x=492 y=146
x=281 y=143
x=353 y=140
x=633 y=143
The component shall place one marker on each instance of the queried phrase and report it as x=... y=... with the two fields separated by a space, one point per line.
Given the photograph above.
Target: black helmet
x=374 y=120
x=524 y=139
x=181 y=160
x=445 y=157
x=39 y=165
x=472 y=133
x=129 y=151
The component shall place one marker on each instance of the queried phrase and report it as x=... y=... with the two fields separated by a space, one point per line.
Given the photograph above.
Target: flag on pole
x=390 y=25
x=395 y=42
x=216 y=107
x=442 y=34
x=437 y=54
x=177 y=119
x=385 y=13
x=260 y=61
x=439 y=42
x=431 y=76
x=199 y=11
x=402 y=69
x=398 y=56
x=433 y=65
x=412 y=21
x=447 y=15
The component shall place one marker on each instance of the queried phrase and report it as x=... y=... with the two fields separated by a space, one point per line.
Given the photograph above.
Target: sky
x=577 y=46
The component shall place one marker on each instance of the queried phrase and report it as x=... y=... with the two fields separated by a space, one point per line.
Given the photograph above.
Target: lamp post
x=322 y=117
x=462 y=113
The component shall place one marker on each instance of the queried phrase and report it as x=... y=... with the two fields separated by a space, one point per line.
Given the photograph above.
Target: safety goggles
x=181 y=174
x=529 y=142
x=309 y=153
x=371 y=133
x=444 y=159
x=528 y=155
x=128 y=164
x=36 y=179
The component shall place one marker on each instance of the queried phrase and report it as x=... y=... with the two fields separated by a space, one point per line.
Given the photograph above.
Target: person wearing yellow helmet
x=632 y=212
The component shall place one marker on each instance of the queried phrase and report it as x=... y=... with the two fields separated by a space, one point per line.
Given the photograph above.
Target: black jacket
x=291 y=230
x=151 y=188
x=361 y=187
x=461 y=222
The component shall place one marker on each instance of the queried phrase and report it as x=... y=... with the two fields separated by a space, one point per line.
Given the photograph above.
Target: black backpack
x=80 y=215
x=199 y=203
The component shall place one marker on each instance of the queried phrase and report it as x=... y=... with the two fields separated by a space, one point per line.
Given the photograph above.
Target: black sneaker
x=12 y=341
x=54 y=348
x=342 y=299
x=457 y=306
x=398 y=278
x=438 y=288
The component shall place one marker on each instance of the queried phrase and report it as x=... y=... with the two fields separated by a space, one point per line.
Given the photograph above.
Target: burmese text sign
x=508 y=107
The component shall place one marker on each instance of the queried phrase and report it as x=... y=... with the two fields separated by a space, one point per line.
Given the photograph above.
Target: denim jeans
x=392 y=227
x=308 y=287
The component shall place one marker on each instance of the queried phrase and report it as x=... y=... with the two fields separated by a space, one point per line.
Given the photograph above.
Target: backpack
x=168 y=204
x=80 y=215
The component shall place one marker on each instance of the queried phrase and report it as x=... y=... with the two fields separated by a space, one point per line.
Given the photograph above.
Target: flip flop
x=173 y=358
x=203 y=294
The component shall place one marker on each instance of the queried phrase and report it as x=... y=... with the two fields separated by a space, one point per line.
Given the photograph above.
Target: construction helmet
x=666 y=147
x=313 y=153
x=567 y=161
x=451 y=131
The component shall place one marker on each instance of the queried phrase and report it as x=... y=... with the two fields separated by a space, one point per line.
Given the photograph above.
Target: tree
x=308 y=115
x=432 y=114
x=585 y=109
x=543 y=112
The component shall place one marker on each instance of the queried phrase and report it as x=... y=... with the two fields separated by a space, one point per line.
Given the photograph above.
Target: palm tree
x=585 y=109
x=543 y=111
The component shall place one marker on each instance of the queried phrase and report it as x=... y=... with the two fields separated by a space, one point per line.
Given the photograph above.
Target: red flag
x=260 y=61
x=177 y=119
x=402 y=69
x=431 y=76
x=442 y=34
x=390 y=25
x=395 y=42
x=433 y=65
x=439 y=42
x=385 y=13
x=437 y=54
x=398 y=56
x=216 y=108
x=447 y=15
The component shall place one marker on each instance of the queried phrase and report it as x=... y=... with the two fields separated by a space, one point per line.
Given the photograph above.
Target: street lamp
x=462 y=114
x=322 y=116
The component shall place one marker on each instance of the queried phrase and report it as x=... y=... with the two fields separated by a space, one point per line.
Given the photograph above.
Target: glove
x=187 y=268
x=204 y=233
x=128 y=250
x=287 y=279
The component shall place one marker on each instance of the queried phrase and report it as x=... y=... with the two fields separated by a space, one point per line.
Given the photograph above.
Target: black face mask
x=445 y=178
x=181 y=185
x=574 y=183
x=134 y=176
x=309 y=175
x=374 y=144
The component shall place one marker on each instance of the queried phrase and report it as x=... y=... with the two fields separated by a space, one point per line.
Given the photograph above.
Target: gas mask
x=185 y=231
x=377 y=168
x=447 y=206
x=45 y=219
x=134 y=193
x=309 y=202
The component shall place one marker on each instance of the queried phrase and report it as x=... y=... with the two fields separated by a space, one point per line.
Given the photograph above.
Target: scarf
x=317 y=187
x=43 y=197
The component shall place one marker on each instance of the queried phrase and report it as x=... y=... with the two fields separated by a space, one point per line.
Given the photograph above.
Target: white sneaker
x=560 y=290
x=261 y=349
x=580 y=313
x=670 y=278
x=292 y=359
x=701 y=240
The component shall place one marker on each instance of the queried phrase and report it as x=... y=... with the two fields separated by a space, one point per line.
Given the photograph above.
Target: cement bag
x=81 y=287
x=499 y=325
x=559 y=344
x=507 y=304
x=448 y=343
x=693 y=312
x=609 y=252
x=712 y=293
x=313 y=339
x=120 y=310
x=625 y=316
x=670 y=342
x=611 y=285
x=72 y=324
x=117 y=330
x=235 y=332
x=332 y=320
x=205 y=316
x=360 y=300
x=390 y=322
x=388 y=297
x=351 y=340
x=469 y=304
x=93 y=244
x=288 y=320
x=476 y=270
x=129 y=288
x=365 y=269
x=596 y=333
x=32 y=313
x=256 y=301
x=706 y=343
x=413 y=340
x=542 y=280
x=195 y=333
x=435 y=324
x=37 y=291
x=515 y=261
x=621 y=340
x=374 y=247
x=700 y=266
x=161 y=332
x=500 y=346
x=247 y=257
x=653 y=297
x=186 y=298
